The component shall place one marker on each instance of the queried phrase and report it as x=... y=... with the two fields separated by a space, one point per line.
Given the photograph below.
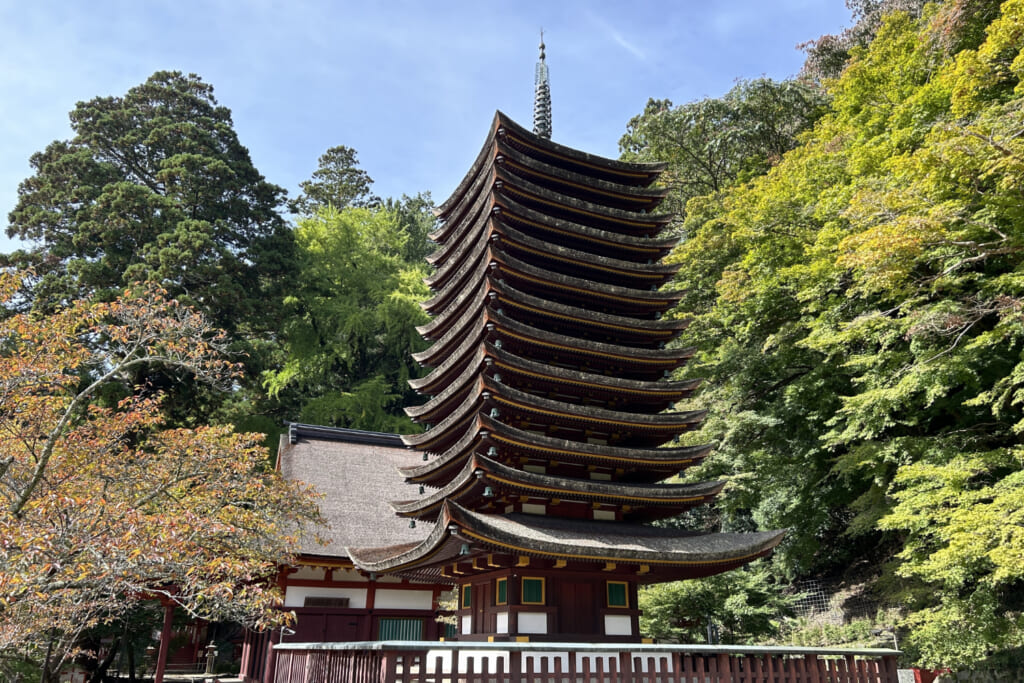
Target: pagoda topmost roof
x=622 y=172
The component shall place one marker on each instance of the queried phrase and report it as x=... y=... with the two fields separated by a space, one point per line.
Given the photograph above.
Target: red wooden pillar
x=165 y=642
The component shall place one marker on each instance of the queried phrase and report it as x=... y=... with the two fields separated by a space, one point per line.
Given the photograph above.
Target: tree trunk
x=100 y=673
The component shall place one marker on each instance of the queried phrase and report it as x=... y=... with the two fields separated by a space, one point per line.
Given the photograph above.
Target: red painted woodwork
x=669 y=664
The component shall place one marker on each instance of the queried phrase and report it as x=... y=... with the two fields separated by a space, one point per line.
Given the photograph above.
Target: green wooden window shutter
x=400 y=628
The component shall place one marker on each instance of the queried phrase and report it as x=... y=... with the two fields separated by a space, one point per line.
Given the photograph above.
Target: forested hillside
x=856 y=292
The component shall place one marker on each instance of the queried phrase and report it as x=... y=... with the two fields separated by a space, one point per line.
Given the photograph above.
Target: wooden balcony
x=448 y=662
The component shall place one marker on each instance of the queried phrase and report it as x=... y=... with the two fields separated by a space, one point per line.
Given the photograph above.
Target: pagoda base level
x=547 y=605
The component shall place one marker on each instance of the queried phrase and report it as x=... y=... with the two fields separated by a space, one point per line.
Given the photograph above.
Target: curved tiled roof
x=626 y=197
x=597 y=241
x=690 y=554
x=640 y=174
x=480 y=472
x=604 y=217
x=607 y=268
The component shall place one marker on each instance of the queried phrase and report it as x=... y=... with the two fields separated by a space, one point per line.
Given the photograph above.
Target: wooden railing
x=444 y=662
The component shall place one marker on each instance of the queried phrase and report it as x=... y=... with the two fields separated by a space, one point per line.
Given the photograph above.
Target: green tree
x=712 y=143
x=743 y=606
x=857 y=314
x=416 y=220
x=103 y=507
x=155 y=186
x=352 y=322
x=338 y=181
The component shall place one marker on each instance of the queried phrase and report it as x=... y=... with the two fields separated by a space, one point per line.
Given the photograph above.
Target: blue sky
x=412 y=86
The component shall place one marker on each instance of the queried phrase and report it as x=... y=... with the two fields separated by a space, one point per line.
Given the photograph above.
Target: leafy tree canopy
x=712 y=143
x=743 y=606
x=156 y=187
x=858 y=314
x=101 y=506
x=352 y=319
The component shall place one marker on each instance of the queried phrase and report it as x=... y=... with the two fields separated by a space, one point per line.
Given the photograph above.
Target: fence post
x=626 y=666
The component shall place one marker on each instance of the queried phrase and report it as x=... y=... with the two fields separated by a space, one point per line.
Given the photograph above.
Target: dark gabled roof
x=298 y=431
x=356 y=473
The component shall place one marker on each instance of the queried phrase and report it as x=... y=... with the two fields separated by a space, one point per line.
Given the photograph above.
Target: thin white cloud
x=616 y=36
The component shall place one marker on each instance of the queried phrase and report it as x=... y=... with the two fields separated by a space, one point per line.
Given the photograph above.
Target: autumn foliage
x=101 y=507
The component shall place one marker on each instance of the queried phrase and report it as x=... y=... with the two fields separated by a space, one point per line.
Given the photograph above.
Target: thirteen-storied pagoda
x=550 y=419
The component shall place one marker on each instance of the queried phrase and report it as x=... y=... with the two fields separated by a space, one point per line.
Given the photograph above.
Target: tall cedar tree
x=155 y=186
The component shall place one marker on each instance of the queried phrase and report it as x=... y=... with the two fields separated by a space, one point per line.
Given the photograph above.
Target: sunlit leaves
x=352 y=320
x=858 y=310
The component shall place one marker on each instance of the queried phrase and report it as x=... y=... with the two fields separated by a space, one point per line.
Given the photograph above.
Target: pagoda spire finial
x=542 y=96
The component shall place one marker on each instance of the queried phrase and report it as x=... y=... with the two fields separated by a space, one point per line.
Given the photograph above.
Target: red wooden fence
x=418 y=662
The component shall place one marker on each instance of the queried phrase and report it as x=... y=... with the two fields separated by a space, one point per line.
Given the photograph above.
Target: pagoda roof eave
x=441 y=431
x=619 y=241
x=481 y=471
x=429 y=383
x=659 y=271
x=664 y=328
x=629 y=222
x=555 y=538
x=610 y=456
x=455 y=332
x=468 y=213
x=427 y=412
x=483 y=157
x=627 y=354
x=513 y=265
x=644 y=198
x=470 y=272
x=497 y=392
x=469 y=243
x=674 y=389
x=469 y=299
x=664 y=461
x=648 y=171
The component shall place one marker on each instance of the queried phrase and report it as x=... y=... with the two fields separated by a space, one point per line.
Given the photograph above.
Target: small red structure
x=357 y=472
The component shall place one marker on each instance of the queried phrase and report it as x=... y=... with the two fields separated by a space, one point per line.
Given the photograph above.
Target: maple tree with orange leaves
x=101 y=507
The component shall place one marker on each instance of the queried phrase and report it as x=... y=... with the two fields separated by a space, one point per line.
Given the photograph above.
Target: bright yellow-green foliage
x=859 y=314
x=352 y=321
